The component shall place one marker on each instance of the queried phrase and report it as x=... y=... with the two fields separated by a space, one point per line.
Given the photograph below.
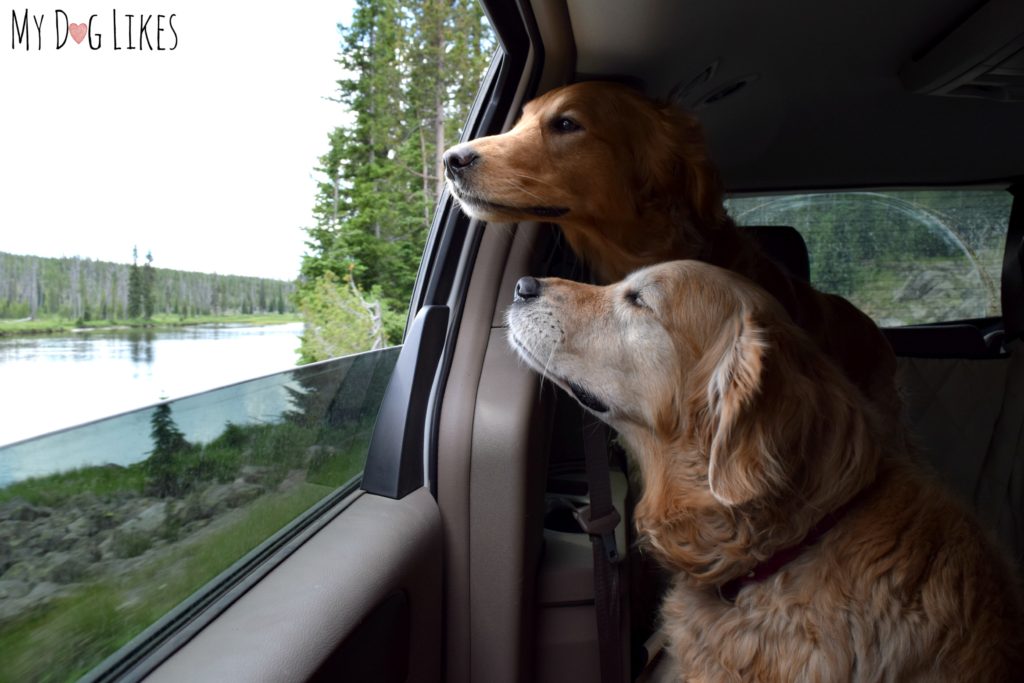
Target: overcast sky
x=203 y=154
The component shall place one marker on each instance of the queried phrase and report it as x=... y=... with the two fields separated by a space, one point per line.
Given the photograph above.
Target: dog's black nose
x=458 y=159
x=527 y=288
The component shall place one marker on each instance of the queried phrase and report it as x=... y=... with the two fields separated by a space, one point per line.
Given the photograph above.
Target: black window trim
x=455 y=239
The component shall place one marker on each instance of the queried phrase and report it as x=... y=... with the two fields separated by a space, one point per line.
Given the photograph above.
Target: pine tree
x=147 y=287
x=415 y=66
x=134 y=287
x=163 y=476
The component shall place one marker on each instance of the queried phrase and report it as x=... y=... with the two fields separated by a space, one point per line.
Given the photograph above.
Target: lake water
x=50 y=383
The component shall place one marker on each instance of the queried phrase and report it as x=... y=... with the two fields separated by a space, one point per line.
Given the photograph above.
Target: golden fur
x=746 y=436
x=631 y=185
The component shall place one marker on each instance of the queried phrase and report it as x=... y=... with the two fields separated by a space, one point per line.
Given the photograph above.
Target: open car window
x=123 y=538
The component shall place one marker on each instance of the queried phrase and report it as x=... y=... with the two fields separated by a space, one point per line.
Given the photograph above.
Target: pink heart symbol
x=78 y=32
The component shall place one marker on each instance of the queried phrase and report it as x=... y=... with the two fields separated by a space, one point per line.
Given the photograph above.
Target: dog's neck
x=711 y=542
x=729 y=590
x=613 y=247
x=731 y=248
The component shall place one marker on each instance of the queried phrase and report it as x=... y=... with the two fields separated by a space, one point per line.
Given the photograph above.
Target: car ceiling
x=825 y=104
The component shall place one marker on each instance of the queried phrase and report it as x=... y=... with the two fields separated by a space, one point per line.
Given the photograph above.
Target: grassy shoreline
x=63 y=326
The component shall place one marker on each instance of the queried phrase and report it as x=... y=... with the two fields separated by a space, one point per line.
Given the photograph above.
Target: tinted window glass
x=162 y=500
x=903 y=257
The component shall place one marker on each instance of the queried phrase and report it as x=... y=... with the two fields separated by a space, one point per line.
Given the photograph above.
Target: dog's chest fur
x=884 y=597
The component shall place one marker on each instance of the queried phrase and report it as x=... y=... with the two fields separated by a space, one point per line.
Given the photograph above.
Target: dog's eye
x=565 y=125
x=634 y=299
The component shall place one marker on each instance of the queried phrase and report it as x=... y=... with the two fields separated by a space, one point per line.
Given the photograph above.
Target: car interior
x=460 y=559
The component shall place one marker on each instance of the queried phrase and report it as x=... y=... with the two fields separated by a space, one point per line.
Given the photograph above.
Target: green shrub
x=127 y=544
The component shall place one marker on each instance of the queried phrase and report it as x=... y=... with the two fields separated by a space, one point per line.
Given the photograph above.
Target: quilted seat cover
x=968 y=418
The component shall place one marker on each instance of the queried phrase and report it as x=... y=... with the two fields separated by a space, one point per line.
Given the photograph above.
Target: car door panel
x=363 y=594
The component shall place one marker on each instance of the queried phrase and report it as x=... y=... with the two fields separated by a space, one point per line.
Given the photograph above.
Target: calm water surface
x=49 y=383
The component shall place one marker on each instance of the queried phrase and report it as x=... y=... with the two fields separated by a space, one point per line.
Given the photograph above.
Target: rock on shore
x=48 y=552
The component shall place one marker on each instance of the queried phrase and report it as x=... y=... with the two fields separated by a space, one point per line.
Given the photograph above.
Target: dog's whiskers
x=519 y=188
x=547 y=363
x=525 y=177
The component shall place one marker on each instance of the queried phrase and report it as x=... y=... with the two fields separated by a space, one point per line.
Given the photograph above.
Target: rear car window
x=903 y=257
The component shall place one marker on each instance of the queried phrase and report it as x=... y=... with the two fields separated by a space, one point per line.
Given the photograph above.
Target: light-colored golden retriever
x=803 y=545
x=630 y=183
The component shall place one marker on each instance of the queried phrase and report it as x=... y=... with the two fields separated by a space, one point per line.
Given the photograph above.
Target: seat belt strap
x=599 y=519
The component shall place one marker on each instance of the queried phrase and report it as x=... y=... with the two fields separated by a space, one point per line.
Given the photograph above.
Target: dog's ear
x=675 y=165
x=741 y=464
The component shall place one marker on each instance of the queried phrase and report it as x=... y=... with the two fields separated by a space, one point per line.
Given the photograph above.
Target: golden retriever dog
x=803 y=545
x=630 y=183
